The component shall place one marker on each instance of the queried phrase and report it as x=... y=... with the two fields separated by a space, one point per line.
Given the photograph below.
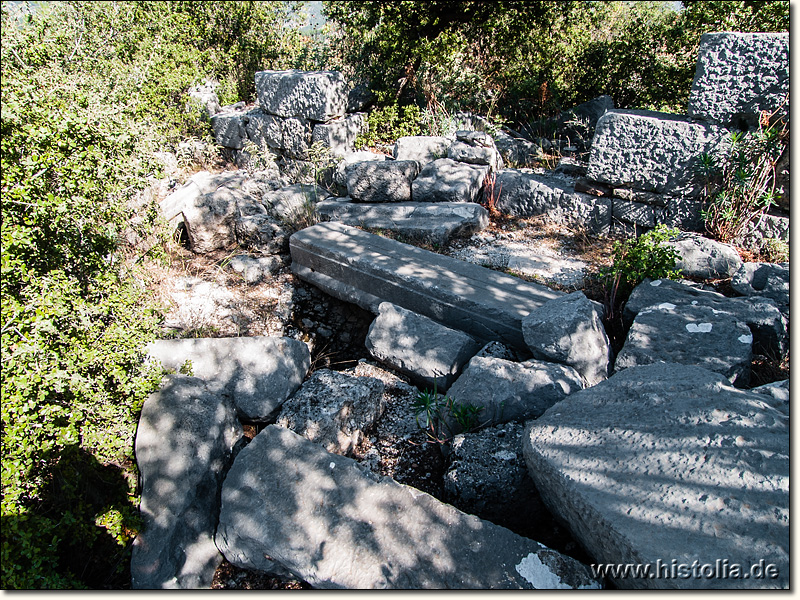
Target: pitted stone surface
x=183 y=446
x=315 y=95
x=421 y=148
x=569 y=330
x=258 y=373
x=690 y=335
x=445 y=180
x=432 y=223
x=381 y=181
x=761 y=315
x=739 y=75
x=333 y=409
x=527 y=194
x=331 y=522
x=428 y=352
x=508 y=391
x=668 y=462
x=651 y=151
x=367 y=269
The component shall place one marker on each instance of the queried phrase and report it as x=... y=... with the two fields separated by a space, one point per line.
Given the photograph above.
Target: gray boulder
x=381 y=181
x=421 y=148
x=183 y=446
x=294 y=201
x=258 y=373
x=770 y=280
x=527 y=194
x=777 y=395
x=262 y=232
x=339 y=135
x=228 y=128
x=508 y=391
x=263 y=129
x=428 y=352
x=760 y=314
x=209 y=205
x=423 y=222
x=445 y=180
x=705 y=258
x=738 y=76
x=314 y=95
x=360 y=98
x=569 y=330
x=288 y=503
x=689 y=335
x=666 y=465
x=339 y=175
x=333 y=409
x=651 y=151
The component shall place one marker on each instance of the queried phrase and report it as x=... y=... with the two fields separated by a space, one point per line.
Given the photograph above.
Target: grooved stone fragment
x=368 y=269
x=331 y=522
x=691 y=335
x=314 y=95
x=651 y=151
x=258 y=373
x=183 y=444
x=569 y=330
x=334 y=409
x=668 y=463
x=739 y=75
x=427 y=351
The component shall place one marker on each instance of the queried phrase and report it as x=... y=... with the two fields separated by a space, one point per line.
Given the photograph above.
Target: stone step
x=367 y=269
x=433 y=223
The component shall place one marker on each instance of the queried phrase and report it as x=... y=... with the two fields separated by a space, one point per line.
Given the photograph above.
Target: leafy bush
x=634 y=260
x=91 y=91
x=385 y=125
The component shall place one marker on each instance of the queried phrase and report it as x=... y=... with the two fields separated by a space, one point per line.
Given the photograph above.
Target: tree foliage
x=528 y=59
x=91 y=90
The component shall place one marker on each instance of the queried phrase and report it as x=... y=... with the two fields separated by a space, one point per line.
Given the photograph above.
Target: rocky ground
x=205 y=296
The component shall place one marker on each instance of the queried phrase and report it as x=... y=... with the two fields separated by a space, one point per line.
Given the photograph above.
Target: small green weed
x=435 y=408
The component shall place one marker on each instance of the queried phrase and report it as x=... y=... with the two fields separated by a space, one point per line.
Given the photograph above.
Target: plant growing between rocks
x=435 y=408
x=739 y=184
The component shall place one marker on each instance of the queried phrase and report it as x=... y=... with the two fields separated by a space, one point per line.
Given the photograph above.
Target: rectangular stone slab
x=367 y=269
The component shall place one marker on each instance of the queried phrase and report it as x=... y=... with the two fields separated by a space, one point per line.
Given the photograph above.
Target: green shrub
x=739 y=184
x=634 y=260
x=385 y=125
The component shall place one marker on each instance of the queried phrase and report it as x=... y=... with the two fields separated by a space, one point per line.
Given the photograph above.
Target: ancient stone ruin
x=656 y=456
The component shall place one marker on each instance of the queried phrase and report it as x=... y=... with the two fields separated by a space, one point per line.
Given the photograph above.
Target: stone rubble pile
x=651 y=456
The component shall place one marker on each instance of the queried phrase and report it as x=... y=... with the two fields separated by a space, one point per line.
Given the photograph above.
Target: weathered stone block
x=339 y=135
x=334 y=409
x=432 y=223
x=183 y=446
x=258 y=373
x=367 y=269
x=689 y=335
x=739 y=75
x=524 y=193
x=569 y=330
x=430 y=353
x=381 y=181
x=508 y=391
x=445 y=180
x=651 y=151
x=314 y=95
x=421 y=148
x=669 y=464
x=289 y=504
